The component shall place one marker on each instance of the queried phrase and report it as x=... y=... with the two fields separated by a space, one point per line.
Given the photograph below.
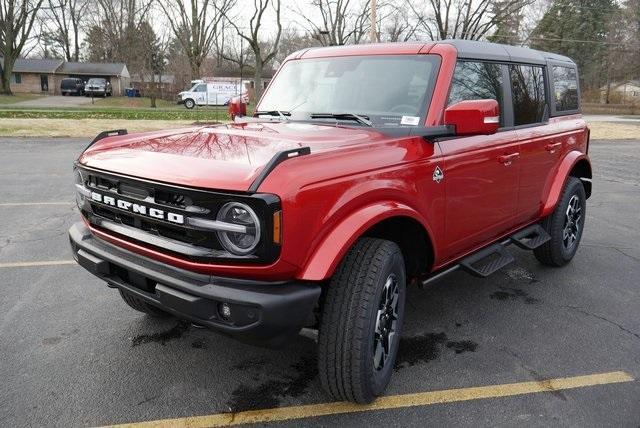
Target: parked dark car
x=72 y=86
x=98 y=87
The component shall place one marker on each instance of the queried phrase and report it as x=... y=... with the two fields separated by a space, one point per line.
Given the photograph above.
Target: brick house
x=43 y=76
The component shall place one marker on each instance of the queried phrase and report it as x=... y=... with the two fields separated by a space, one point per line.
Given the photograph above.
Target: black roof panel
x=472 y=49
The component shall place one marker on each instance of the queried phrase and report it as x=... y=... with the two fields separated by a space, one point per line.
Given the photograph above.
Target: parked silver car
x=98 y=87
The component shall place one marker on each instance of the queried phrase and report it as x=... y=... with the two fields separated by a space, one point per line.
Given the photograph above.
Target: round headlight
x=240 y=243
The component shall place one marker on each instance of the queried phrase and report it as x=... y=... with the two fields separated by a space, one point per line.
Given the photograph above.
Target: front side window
x=200 y=88
x=388 y=89
x=565 y=88
x=529 y=97
x=477 y=81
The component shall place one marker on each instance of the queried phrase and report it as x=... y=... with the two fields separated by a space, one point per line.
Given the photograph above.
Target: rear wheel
x=564 y=225
x=142 y=306
x=362 y=321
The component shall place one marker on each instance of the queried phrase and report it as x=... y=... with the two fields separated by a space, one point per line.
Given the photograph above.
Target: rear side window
x=565 y=88
x=529 y=98
x=477 y=81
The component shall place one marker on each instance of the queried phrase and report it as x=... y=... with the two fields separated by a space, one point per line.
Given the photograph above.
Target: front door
x=44 y=83
x=481 y=172
x=480 y=175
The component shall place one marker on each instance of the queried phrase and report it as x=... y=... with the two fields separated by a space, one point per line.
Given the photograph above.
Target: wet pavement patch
x=268 y=394
x=162 y=337
x=514 y=294
x=427 y=347
x=198 y=344
x=462 y=346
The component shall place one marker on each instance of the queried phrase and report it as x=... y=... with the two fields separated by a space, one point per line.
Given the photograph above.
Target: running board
x=530 y=237
x=494 y=257
x=487 y=261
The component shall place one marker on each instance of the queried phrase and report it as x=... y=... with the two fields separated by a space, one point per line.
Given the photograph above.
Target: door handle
x=507 y=159
x=552 y=147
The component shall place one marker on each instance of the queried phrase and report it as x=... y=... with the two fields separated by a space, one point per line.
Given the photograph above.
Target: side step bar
x=496 y=256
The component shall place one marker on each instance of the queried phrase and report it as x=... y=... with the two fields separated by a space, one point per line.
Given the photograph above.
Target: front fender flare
x=328 y=254
x=559 y=179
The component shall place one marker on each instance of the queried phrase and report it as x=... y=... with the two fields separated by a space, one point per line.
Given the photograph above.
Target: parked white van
x=209 y=93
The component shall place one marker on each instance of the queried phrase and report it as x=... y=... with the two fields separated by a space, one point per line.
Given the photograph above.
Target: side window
x=200 y=88
x=529 y=97
x=477 y=81
x=565 y=88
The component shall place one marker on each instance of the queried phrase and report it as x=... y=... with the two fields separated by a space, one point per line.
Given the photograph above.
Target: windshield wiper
x=282 y=114
x=364 y=120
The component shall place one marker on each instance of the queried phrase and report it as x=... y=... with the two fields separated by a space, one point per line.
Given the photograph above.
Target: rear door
x=481 y=172
x=540 y=143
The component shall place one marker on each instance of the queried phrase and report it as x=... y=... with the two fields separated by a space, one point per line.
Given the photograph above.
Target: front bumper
x=262 y=313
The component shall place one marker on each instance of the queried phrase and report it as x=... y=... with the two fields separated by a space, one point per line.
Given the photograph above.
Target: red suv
x=364 y=170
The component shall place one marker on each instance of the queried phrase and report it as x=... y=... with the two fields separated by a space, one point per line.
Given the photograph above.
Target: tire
x=355 y=297
x=189 y=103
x=564 y=225
x=142 y=306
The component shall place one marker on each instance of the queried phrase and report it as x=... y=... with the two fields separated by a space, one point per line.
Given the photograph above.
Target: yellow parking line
x=28 y=204
x=385 y=403
x=34 y=264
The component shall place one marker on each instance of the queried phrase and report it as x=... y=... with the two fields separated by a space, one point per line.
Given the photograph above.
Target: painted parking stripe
x=30 y=204
x=35 y=264
x=386 y=403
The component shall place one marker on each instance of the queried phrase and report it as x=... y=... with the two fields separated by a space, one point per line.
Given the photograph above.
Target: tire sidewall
x=378 y=380
x=574 y=187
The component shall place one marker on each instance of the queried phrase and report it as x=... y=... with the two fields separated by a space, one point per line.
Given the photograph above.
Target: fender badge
x=438 y=175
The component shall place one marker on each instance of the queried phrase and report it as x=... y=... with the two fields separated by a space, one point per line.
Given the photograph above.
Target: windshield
x=389 y=90
x=97 y=82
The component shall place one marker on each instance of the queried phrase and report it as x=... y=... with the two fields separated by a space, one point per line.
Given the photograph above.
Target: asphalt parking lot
x=73 y=354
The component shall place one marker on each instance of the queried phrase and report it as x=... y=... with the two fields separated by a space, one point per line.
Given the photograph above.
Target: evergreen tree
x=578 y=29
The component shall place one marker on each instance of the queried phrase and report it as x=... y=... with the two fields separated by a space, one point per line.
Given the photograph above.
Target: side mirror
x=473 y=117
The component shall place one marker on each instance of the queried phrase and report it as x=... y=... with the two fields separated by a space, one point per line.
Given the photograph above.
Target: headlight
x=80 y=189
x=237 y=242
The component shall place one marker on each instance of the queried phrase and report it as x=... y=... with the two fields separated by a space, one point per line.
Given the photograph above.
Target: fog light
x=225 y=311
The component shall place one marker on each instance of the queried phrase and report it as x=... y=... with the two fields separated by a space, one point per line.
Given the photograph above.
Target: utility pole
x=374 y=33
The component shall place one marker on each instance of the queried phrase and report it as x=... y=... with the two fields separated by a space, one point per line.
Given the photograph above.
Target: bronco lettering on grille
x=137 y=208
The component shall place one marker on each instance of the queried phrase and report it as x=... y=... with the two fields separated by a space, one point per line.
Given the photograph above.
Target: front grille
x=162 y=233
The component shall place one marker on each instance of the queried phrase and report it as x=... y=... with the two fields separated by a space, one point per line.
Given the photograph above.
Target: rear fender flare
x=559 y=179
x=328 y=254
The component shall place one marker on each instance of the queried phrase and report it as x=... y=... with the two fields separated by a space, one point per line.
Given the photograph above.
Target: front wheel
x=189 y=103
x=362 y=321
x=564 y=225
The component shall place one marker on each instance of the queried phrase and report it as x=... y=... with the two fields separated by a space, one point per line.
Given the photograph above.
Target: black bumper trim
x=263 y=313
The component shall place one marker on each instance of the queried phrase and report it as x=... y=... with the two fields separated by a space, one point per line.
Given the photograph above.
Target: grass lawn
x=12 y=99
x=134 y=102
x=86 y=128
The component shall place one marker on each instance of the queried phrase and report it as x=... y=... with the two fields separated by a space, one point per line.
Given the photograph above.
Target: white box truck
x=209 y=93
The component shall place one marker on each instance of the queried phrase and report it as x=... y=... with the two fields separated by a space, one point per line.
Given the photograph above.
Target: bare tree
x=195 y=26
x=263 y=53
x=463 y=19
x=397 y=26
x=340 y=21
x=61 y=22
x=115 y=25
x=16 y=22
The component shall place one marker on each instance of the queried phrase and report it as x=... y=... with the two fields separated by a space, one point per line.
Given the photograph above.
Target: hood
x=224 y=157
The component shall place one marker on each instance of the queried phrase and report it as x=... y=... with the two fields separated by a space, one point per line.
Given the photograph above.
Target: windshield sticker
x=410 y=120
